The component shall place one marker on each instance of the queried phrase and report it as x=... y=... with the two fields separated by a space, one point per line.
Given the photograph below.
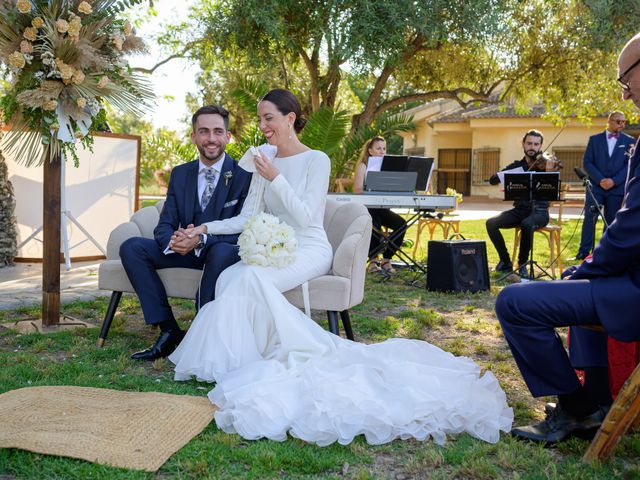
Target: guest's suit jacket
x=182 y=195
x=614 y=269
x=599 y=164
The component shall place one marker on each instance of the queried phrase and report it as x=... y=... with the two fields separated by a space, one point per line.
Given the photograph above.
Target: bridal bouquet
x=266 y=241
x=65 y=58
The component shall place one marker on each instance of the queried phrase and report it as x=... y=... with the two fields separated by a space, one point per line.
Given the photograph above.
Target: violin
x=545 y=162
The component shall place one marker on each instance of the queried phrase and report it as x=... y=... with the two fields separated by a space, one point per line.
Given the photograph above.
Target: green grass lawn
x=463 y=324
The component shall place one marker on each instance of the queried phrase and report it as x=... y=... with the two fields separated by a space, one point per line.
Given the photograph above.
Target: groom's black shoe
x=164 y=346
x=560 y=425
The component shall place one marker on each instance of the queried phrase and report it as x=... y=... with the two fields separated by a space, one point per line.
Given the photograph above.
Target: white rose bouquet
x=266 y=241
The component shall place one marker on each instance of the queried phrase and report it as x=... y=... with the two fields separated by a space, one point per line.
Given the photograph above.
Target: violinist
x=529 y=216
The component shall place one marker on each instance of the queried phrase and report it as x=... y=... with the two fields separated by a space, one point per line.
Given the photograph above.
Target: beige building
x=469 y=145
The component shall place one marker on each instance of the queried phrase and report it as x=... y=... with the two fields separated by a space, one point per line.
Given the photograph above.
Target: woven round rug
x=122 y=429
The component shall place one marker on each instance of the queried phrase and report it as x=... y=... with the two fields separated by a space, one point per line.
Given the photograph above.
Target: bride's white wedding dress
x=278 y=372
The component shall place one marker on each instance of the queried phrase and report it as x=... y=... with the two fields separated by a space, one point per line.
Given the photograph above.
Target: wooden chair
x=552 y=232
x=624 y=414
x=446 y=224
x=341 y=185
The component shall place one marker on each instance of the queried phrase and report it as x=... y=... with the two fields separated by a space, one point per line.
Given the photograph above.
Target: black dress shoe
x=560 y=425
x=523 y=271
x=504 y=266
x=164 y=346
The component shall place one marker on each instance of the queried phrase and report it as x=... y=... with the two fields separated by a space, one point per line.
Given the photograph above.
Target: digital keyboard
x=398 y=200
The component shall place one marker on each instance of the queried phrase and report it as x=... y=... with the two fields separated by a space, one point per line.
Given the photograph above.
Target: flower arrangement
x=65 y=59
x=453 y=192
x=266 y=241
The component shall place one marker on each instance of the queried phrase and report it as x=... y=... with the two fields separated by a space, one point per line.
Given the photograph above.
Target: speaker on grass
x=457 y=266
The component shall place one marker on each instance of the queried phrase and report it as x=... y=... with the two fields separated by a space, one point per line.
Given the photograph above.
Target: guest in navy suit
x=605 y=161
x=604 y=291
x=210 y=188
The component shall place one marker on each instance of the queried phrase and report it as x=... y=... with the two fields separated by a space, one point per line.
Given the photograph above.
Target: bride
x=278 y=372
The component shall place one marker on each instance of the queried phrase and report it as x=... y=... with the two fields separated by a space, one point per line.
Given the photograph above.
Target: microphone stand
x=588 y=187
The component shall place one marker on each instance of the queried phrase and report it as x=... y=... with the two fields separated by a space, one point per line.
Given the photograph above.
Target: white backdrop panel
x=100 y=194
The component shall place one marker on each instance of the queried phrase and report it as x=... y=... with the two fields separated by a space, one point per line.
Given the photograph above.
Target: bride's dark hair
x=286 y=102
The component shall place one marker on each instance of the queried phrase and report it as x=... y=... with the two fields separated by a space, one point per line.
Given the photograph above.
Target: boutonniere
x=228 y=175
x=631 y=151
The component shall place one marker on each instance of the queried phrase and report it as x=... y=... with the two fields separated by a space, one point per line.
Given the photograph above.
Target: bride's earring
x=290 y=132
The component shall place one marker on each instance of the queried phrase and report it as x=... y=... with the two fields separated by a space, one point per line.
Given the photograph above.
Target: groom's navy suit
x=605 y=290
x=142 y=257
x=599 y=165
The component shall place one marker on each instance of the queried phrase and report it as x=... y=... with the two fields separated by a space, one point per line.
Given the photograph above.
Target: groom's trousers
x=142 y=258
x=529 y=313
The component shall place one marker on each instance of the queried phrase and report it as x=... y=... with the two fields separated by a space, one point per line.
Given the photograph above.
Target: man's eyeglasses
x=624 y=84
x=619 y=122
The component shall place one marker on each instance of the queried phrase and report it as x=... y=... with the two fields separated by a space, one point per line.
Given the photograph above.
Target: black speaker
x=457 y=266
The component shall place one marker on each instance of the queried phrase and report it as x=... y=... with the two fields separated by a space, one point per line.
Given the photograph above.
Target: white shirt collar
x=217 y=166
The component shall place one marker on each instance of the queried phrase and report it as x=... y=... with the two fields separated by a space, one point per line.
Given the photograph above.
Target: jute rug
x=122 y=429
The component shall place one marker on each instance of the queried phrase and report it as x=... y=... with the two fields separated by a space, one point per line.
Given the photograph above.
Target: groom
x=210 y=188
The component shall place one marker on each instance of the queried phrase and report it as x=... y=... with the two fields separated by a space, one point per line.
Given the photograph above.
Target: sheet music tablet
x=424 y=167
x=394 y=163
x=391 y=182
x=532 y=186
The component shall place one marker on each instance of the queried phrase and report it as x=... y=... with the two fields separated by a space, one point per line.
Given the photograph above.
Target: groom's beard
x=217 y=151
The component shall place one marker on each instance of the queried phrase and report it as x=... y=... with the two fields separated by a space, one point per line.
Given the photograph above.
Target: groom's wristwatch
x=200 y=244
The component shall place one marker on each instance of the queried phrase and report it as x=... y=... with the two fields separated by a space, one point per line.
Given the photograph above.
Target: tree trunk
x=51 y=242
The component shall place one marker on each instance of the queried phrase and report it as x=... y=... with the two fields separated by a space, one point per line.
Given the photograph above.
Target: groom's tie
x=210 y=176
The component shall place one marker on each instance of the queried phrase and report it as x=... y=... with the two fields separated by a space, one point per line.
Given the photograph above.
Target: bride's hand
x=265 y=167
x=195 y=231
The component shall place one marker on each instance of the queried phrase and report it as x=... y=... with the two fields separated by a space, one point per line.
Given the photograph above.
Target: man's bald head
x=629 y=70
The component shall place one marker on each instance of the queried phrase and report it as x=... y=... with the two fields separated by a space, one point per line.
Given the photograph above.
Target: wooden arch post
x=51 y=241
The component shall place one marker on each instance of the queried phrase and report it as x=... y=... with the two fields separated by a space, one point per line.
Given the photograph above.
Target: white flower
x=266 y=241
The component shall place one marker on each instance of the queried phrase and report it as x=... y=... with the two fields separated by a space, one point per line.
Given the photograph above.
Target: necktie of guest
x=210 y=176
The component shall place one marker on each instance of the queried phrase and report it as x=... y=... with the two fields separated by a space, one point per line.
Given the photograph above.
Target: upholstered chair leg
x=108 y=318
x=346 y=323
x=334 y=327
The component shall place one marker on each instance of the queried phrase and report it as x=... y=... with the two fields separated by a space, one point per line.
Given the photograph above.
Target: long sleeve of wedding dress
x=277 y=372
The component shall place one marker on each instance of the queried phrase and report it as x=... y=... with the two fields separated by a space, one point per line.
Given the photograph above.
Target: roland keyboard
x=397 y=200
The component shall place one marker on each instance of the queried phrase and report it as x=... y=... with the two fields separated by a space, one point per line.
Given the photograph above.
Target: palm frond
x=325 y=130
x=249 y=93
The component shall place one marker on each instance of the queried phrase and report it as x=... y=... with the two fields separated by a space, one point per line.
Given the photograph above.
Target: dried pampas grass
x=49 y=90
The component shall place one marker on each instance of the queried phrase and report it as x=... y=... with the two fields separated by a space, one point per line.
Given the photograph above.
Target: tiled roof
x=460 y=114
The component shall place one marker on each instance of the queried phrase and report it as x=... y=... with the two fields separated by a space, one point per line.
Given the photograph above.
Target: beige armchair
x=348 y=228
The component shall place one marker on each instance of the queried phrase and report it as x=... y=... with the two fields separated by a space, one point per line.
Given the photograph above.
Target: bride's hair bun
x=299 y=124
x=286 y=102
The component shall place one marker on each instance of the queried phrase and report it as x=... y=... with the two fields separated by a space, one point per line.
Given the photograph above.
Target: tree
x=559 y=52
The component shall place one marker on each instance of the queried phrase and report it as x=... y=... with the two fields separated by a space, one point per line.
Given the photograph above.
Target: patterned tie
x=210 y=176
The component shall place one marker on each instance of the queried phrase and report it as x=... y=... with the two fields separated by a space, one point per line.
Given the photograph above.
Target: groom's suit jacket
x=599 y=164
x=182 y=207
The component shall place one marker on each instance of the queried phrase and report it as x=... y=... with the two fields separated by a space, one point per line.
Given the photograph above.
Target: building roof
x=460 y=114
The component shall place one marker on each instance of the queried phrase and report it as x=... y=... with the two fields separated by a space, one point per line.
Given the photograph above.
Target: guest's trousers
x=529 y=313
x=611 y=204
x=528 y=220
x=142 y=258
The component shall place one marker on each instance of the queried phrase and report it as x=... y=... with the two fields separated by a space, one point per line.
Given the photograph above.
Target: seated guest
x=381 y=217
x=529 y=216
x=603 y=291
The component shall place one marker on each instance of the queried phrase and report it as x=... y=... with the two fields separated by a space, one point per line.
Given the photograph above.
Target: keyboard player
x=381 y=217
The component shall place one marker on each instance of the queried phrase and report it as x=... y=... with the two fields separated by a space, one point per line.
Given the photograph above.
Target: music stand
x=532 y=187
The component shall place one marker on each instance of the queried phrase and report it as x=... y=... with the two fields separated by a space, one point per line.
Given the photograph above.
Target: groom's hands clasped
x=183 y=240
